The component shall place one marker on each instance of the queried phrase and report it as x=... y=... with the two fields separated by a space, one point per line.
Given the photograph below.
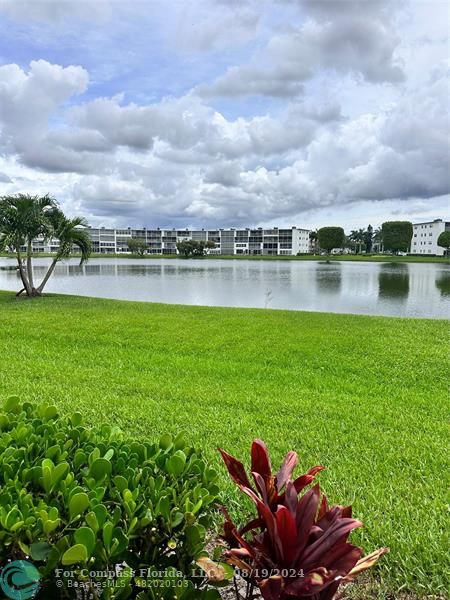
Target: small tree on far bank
x=397 y=235
x=194 y=248
x=444 y=241
x=137 y=246
x=331 y=237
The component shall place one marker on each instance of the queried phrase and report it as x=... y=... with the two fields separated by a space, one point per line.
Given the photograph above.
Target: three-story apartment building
x=274 y=241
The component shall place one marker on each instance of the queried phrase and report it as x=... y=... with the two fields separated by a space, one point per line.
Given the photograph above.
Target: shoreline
x=304 y=257
x=175 y=305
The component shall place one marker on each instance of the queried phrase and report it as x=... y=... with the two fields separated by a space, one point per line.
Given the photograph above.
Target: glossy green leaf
x=75 y=555
x=91 y=521
x=100 y=468
x=176 y=463
x=12 y=404
x=40 y=550
x=76 y=419
x=165 y=441
x=59 y=472
x=86 y=537
x=78 y=504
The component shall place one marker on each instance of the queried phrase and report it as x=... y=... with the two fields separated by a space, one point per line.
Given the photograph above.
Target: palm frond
x=73 y=232
x=24 y=217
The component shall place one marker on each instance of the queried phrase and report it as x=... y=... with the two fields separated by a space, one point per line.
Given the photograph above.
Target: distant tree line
x=392 y=236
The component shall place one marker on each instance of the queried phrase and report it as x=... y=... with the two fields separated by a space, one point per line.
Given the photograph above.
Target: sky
x=223 y=113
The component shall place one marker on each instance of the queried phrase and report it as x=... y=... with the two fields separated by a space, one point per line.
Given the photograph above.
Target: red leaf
x=235 y=469
x=287 y=532
x=260 y=459
x=317 y=552
x=301 y=482
x=290 y=497
x=245 y=546
x=342 y=558
x=269 y=519
x=286 y=469
x=312 y=583
x=251 y=525
x=228 y=528
x=323 y=507
x=305 y=517
x=261 y=485
x=336 y=512
x=347 y=511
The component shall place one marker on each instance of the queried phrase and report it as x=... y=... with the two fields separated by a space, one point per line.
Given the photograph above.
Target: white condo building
x=274 y=241
x=262 y=241
x=425 y=237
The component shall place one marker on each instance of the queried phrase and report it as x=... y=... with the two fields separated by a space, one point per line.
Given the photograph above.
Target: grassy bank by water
x=365 y=396
x=344 y=257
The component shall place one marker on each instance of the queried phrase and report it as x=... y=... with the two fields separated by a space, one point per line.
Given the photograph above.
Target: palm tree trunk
x=29 y=264
x=47 y=276
x=25 y=282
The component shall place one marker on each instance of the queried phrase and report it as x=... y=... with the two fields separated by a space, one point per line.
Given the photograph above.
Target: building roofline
x=196 y=229
x=429 y=222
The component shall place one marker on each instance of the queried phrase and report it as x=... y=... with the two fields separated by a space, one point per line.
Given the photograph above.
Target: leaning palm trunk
x=23 y=275
x=25 y=282
x=47 y=276
x=70 y=233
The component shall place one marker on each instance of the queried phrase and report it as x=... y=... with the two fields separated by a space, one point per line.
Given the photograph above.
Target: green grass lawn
x=365 y=396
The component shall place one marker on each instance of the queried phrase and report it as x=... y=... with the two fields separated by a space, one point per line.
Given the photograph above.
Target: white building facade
x=426 y=235
x=274 y=241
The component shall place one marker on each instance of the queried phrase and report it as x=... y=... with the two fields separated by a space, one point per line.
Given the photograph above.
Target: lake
x=396 y=289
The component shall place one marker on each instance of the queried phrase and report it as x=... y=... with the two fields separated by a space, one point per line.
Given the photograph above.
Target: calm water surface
x=398 y=289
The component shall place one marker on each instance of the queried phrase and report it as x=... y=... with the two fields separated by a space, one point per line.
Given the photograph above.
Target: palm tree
x=23 y=218
x=378 y=239
x=70 y=233
x=368 y=238
x=361 y=238
x=313 y=240
x=357 y=237
x=353 y=239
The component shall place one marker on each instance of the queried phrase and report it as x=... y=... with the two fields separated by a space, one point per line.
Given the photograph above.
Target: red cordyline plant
x=297 y=546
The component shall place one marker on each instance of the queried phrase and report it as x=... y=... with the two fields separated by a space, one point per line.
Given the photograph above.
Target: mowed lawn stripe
x=365 y=396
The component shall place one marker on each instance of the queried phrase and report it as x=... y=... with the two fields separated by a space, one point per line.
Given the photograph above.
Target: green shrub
x=87 y=499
